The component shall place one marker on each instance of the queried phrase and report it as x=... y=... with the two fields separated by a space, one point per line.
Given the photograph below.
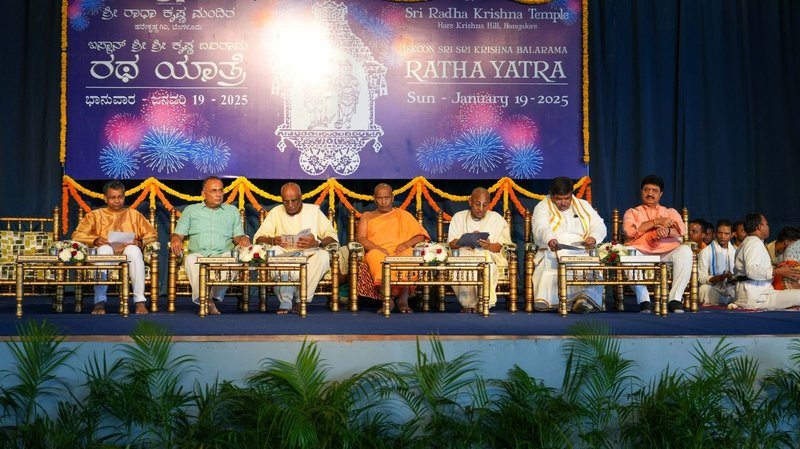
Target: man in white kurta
x=715 y=268
x=753 y=268
x=291 y=218
x=479 y=219
x=562 y=218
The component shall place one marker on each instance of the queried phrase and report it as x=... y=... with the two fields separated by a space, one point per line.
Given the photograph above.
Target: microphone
x=575 y=216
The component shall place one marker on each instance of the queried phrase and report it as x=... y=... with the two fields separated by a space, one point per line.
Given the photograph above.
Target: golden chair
x=690 y=294
x=25 y=236
x=507 y=276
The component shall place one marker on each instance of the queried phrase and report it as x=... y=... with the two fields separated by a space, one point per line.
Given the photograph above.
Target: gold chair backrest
x=24 y=224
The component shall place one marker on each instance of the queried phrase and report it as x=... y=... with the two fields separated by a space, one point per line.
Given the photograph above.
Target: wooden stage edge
x=356 y=338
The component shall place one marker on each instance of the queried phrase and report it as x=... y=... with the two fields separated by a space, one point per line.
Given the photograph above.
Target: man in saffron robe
x=93 y=231
x=479 y=219
x=654 y=229
x=562 y=218
x=387 y=231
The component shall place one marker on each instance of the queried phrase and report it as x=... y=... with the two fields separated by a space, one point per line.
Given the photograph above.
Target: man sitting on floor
x=290 y=219
x=213 y=228
x=479 y=219
x=697 y=234
x=715 y=268
x=738 y=234
x=387 y=231
x=93 y=231
x=562 y=218
x=654 y=229
x=754 y=271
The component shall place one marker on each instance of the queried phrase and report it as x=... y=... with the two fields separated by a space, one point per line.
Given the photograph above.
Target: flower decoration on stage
x=70 y=251
x=253 y=254
x=434 y=253
x=610 y=252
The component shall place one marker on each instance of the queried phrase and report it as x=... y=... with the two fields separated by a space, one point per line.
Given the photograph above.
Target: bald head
x=292 y=198
x=479 y=203
x=383 y=197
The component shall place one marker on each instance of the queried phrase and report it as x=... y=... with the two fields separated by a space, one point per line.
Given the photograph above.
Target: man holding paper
x=479 y=232
x=117 y=229
x=562 y=219
x=303 y=228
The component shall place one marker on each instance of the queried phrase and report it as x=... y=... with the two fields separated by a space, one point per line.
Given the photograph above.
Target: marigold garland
x=585 y=85
x=139 y=199
x=411 y=195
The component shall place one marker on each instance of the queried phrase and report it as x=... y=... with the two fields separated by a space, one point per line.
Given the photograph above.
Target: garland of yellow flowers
x=62 y=132
x=243 y=190
x=585 y=86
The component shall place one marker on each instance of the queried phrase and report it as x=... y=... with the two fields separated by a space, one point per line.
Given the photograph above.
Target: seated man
x=290 y=219
x=479 y=219
x=93 y=231
x=790 y=256
x=715 y=268
x=710 y=232
x=697 y=234
x=213 y=228
x=387 y=231
x=562 y=218
x=654 y=229
x=754 y=271
x=738 y=234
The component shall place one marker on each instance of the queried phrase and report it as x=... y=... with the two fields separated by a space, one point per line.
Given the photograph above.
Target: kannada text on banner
x=299 y=89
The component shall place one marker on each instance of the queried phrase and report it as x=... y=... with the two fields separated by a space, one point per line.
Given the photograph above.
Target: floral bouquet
x=434 y=253
x=70 y=251
x=610 y=252
x=253 y=254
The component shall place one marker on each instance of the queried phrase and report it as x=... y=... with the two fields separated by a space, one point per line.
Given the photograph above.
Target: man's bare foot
x=391 y=306
x=296 y=308
x=212 y=308
x=140 y=308
x=403 y=307
x=99 y=309
x=282 y=312
x=468 y=310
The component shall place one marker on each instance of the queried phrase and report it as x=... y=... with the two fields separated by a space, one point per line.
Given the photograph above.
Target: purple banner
x=292 y=89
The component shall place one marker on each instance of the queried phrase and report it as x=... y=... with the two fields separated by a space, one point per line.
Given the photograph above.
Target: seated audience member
x=709 y=232
x=479 y=219
x=387 y=231
x=654 y=229
x=754 y=271
x=789 y=246
x=213 y=228
x=715 y=268
x=290 y=219
x=738 y=234
x=93 y=231
x=697 y=234
x=562 y=218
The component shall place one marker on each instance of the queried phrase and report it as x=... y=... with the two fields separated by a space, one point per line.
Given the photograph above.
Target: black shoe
x=582 y=306
x=675 y=307
x=645 y=307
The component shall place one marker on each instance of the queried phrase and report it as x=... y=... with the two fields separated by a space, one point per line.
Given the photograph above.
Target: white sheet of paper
x=120 y=237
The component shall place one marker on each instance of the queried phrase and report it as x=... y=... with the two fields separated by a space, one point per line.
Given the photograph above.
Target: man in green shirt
x=213 y=228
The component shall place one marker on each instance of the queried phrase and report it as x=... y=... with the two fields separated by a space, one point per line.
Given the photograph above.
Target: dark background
x=703 y=93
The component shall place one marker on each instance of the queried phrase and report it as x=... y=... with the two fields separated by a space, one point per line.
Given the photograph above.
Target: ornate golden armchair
x=25 y=236
x=507 y=276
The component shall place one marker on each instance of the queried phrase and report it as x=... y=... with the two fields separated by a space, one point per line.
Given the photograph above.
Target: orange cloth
x=785 y=283
x=647 y=242
x=388 y=231
x=99 y=222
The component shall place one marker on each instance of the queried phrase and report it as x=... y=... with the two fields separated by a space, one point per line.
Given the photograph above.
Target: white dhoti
x=468 y=295
x=319 y=263
x=545 y=283
x=135 y=272
x=193 y=273
x=681 y=258
x=715 y=295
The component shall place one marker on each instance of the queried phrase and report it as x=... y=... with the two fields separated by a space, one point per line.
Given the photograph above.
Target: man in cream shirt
x=290 y=218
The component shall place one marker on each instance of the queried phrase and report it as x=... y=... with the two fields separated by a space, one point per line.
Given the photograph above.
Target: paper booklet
x=121 y=237
x=577 y=246
x=290 y=240
x=471 y=239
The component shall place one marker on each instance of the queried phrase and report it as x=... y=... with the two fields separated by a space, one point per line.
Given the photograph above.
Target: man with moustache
x=213 y=228
x=654 y=229
x=480 y=219
x=290 y=218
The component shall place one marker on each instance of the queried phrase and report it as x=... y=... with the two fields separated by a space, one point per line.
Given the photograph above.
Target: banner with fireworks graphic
x=306 y=89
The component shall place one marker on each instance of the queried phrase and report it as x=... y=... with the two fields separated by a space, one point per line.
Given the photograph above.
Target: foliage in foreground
x=140 y=400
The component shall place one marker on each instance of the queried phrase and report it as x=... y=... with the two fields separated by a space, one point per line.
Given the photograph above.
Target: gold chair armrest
x=355 y=247
x=531 y=248
x=332 y=247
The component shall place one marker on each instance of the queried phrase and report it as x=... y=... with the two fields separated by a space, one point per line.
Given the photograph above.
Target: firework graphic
x=524 y=162
x=211 y=155
x=165 y=149
x=79 y=22
x=480 y=115
x=125 y=129
x=380 y=32
x=161 y=109
x=119 y=161
x=570 y=17
x=558 y=4
x=92 y=7
x=196 y=126
x=359 y=13
x=518 y=130
x=479 y=150
x=393 y=15
x=435 y=155
x=74 y=10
